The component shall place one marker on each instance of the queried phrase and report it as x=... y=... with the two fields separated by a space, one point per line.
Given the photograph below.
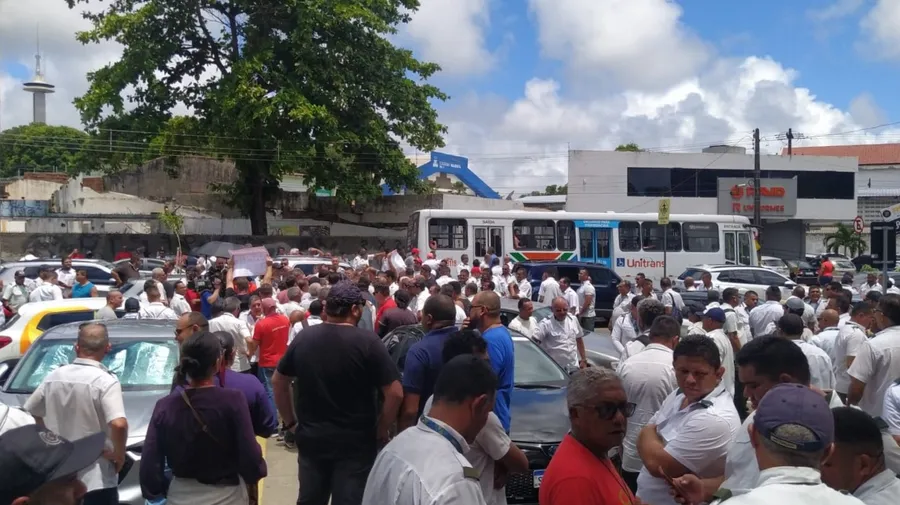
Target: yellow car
x=34 y=318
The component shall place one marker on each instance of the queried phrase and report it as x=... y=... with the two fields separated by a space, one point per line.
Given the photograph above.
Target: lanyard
x=440 y=430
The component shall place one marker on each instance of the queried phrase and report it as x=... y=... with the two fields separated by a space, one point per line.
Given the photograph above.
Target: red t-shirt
x=272 y=334
x=389 y=304
x=122 y=255
x=827 y=268
x=193 y=299
x=575 y=475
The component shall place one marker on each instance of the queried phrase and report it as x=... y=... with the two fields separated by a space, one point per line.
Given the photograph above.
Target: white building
x=796 y=191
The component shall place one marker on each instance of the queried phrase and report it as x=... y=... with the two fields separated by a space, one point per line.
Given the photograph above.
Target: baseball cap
x=415 y=251
x=20 y=273
x=33 y=456
x=795 y=417
x=344 y=294
x=716 y=314
x=795 y=305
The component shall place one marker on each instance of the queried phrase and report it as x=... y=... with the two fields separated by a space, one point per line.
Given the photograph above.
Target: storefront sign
x=778 y=197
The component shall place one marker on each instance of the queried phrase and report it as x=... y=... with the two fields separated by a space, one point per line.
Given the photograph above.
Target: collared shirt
x=78 y=400
x=865 y=288
x=821 y=370
x=423 y=467
x=809 y=314
x=16 y=295
x=549 y=290
x=793 y=485
x=45 y=293
x=842 y=319
x=66 y=276
x=572 y=300
x=726 y=354
x=624 y=331
x=622 y=305
x=891 y=412
x=240 y=332
x=559 y=338
x=825 y=340
x=423 y=364
x=697 y=436
x=762 y=315
x=179 y=305
x=850 y=338
x=877 y=364
x=444 y=279
x=696 y=329
x=524 y=289
x=585 y=290
x=737 y=320
x=289 y=308
x=672 y=298
x=882 y=489
x=525 y=327
x=157 y=310
x=648 y=378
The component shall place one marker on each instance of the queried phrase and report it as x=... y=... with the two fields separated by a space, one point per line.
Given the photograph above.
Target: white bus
x=628 y=243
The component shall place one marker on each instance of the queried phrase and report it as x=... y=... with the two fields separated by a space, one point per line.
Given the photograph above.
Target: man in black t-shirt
x=339 y=371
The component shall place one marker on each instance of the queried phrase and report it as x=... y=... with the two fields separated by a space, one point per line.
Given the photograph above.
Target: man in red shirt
x=384 y=300
x=580 y=472
x=270 y=336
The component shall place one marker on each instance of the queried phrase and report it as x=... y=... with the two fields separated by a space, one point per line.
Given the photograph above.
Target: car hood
x=138 y=409
x=538 y=415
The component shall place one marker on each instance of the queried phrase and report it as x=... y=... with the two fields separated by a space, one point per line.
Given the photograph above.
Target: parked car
x=776 y=265
x=842 y=264
x=604 y=280
x=24 y=327
x=147 y=265
x=143 y=357
x=309 y=263
x=743 y=278
x=99 y=272
x=540 y=418
x=802 y=272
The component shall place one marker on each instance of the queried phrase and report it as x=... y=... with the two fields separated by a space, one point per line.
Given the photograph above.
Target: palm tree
x=847 y=239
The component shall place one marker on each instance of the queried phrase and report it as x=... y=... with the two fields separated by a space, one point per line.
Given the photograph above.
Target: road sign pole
x=665 y=250
x=884 y=259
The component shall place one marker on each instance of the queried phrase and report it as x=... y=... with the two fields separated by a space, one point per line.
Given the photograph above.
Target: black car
x=538 y=411
x=803 y=273
x=603 y=279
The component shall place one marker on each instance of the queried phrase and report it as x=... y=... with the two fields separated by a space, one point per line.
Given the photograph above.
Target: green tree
x=43 y=148
x=846 y=240
x=312 y=87
x=174 y=222
x=552 y=189
x=631 y=147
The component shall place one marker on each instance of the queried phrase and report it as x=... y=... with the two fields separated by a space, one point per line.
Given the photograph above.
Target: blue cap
x=796 y=418
x=716 y=314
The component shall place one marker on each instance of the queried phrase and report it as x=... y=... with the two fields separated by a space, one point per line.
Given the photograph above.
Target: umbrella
x=218 y=249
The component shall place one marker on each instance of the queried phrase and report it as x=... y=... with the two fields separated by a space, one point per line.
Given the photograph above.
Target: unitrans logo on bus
x=643 y=263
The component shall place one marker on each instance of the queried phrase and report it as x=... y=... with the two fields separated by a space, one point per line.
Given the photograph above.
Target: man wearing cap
x=41 y=468
x=713 y=322
x=792 y=434
x=15 y=295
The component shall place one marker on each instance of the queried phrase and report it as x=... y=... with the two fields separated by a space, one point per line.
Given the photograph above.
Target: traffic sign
x=891 y=213
x=858 y=224
x=663 y=216
x=883 y=234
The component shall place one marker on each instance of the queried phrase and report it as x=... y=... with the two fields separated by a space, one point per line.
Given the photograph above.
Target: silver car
x=143 y=356
x=99 y=272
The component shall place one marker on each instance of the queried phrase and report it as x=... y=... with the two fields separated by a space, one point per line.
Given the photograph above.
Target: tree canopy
x=296 y=86
x=552 y=189
x=43 y=148
x=630 y=147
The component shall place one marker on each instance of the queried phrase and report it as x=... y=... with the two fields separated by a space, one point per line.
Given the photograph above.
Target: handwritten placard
x=249 y=262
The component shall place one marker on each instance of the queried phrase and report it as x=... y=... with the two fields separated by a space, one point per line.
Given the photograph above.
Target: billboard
x=778 y=197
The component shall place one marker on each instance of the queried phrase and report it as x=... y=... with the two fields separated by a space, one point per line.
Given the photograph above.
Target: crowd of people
x=739 y=399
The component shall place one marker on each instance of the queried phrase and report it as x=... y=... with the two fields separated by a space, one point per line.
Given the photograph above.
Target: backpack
x=644 y=338
x=400 y=340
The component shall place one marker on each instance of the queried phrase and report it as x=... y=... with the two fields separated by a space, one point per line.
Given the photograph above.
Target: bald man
x=485 y=315
x=561 y=336
x=828 y=332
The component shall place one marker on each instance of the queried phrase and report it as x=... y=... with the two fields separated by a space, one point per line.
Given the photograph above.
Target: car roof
x=716 y=268
x=307 y=259
x=117 y=328
x=32 y=308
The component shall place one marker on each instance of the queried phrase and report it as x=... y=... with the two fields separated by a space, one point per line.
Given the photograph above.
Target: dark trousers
x=107 y=496
x=630 y=478
x=343 y=480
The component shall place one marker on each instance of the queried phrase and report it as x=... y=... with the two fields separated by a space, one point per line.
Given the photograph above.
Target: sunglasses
x=607 y=410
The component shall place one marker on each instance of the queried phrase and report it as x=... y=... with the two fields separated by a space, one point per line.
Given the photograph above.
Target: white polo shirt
x=157 y=310
x=825 y=340
x=78 y=400
x=762 y=315
x=726 y=354
x=697 y=436
x=648 y=378
x=877 y=364
x=549 y=290
x=850 y=338
x=821 y=369
x=240 y=332
x=558 y=339
x=792 y=485
x=524 y=289
x=179 y=305
x=525 y=327
x=624 y=331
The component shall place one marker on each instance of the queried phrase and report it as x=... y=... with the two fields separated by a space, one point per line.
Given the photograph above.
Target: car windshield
x=694 y=273
x=140 y=365
x=533 y=366
x=772 y=262
x=542 y=313
x=804 y=265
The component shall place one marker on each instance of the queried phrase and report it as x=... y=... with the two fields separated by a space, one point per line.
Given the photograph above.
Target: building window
x=448 y=233
x=534 y=235
x=652 y=236
x=702 y=237
x=629 y=236
x=703 y=182
x=565 y=234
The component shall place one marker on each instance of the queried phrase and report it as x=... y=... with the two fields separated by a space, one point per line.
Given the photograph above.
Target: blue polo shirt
x=423 y=364
x=503 y=360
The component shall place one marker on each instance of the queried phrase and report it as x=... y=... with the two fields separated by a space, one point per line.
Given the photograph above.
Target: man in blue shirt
x=425 y=359
x=485 y=313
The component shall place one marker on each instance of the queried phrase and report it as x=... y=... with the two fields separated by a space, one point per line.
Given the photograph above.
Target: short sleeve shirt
x=272 y=334
x=877 y=364
x=585 y=290
x=503 y=361
x=576 y=476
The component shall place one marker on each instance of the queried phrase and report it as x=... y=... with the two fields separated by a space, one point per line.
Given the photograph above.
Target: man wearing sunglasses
x=580 y=471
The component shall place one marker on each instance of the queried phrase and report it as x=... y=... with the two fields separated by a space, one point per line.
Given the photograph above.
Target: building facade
x=796 y=192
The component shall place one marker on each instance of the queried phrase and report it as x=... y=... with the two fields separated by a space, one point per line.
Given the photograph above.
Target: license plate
x=538 y=477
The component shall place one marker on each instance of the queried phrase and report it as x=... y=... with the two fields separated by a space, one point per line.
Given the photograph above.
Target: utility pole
x=757 y=219
x=790 y=139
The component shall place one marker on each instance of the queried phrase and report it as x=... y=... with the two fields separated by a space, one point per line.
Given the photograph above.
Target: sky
x=531 y=79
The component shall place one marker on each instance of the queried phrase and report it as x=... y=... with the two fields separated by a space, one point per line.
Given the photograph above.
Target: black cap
x=20 y=273
x=33 y=456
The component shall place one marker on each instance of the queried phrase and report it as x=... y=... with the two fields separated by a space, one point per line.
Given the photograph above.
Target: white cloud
x=452 y=33
x=637 y=42
x=865 y=111
x=836 y=10
x=881 y=37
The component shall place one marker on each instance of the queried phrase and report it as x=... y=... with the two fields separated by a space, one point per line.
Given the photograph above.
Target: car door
x=766 y=278
x=605 y=282
x=98 y=276
x=741 y=279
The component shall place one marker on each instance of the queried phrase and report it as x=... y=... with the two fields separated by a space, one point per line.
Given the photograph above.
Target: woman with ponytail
x=204 y=433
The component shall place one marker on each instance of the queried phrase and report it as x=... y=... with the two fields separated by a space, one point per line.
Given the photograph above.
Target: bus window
x=602 y=235
x=744 y=249
x=586 y=243
x=565 y=234
x=412 y=230
x=652 y=236
x=629 y=236
x=534 y=234
x=730 y=249
x=448 y=233
x=702 y=237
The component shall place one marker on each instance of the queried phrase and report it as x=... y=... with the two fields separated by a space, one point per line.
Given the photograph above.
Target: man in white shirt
x=225 y=318
x=66 y=275
x=179 y=303
x=155 y=308
x=444 y=275
x=15 y=294
x=871 y=284
x=648 y=378
x=821 y=370
x=850 y=338
x=84 y=398
x=523 y=286
x=561 y=337
x=295 y=302
x=625 y=329
x=737 y=321
x=828 y=333
x=877 y=364
x=361 y=260
x=587 y=298
x=622 y=303
x=524 y=323
x=47 y=290
x=713 y=322
x=565 y=285
x=706 y=283
x=671 y=299
x=769 y=312
x=549 y=289
x=694 y=426
x=842 y=304
x=809 y=314
x=648 y=309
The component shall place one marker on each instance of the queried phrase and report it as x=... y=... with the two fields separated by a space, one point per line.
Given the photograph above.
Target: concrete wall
x=598 y=181
x=31 y=189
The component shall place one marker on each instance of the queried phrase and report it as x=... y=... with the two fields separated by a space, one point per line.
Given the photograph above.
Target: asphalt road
x=281 y=486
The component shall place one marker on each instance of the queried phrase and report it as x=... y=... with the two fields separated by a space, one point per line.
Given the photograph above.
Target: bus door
x=488 y=237
x=594 y=238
